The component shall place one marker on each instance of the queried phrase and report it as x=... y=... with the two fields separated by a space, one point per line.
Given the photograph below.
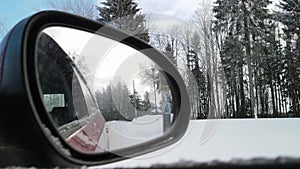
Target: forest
x=253 y=55
x=240 y=58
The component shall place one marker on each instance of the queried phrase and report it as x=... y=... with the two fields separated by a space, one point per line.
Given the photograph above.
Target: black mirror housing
x=27 y=135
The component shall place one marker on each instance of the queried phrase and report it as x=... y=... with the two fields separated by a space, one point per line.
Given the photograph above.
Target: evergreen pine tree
x=289 y=16
x=170 y=54
x=146 y=104
x=247 y=28
x=124 y=15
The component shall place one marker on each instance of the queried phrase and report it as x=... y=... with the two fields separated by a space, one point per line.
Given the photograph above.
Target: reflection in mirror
x=100 y=94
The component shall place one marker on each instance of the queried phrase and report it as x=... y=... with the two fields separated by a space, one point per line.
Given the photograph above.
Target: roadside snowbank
x=232 y=139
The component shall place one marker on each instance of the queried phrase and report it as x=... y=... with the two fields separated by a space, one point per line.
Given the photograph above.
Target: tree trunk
x=273 y=100
x=249 y=58
x=242 y=107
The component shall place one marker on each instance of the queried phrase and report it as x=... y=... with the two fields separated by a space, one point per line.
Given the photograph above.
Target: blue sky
x=12 y=11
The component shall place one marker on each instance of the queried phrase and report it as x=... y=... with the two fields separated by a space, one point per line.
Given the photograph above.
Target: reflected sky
x=103 y=61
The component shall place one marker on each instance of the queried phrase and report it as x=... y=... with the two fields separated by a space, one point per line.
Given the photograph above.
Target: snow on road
x=123 y=134
x=232 y=139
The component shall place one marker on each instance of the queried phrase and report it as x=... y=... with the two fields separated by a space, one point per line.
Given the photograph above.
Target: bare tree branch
x=3 y=28
x=84 y=8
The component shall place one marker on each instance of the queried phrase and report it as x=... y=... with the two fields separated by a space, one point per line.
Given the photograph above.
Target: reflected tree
x=150 y=77
x=117 y=103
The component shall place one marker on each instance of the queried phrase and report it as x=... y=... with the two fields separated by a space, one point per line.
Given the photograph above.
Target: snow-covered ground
x=232 y=139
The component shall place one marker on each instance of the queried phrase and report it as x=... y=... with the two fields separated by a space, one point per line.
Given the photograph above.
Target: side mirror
x=74 y=92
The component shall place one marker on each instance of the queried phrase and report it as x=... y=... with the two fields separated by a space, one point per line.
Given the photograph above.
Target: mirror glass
x=100 y=94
